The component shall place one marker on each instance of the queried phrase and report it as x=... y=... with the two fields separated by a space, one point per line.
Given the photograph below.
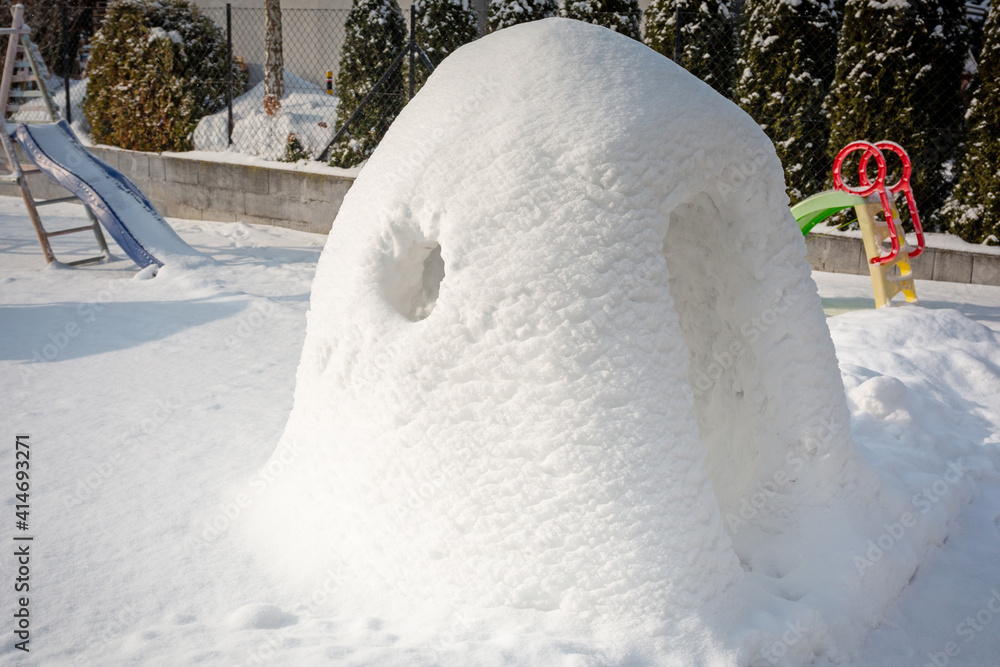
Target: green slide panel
x=814 y=210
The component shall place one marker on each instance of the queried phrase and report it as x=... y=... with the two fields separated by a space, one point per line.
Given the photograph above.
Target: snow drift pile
x=564 y=354
x=306 y=112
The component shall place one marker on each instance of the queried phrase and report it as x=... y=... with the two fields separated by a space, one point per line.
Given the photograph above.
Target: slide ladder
x=886 y=248
x=23 y=79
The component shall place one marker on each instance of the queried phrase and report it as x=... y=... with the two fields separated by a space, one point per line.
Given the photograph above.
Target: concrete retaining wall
x=845 y=254
x=184 y=188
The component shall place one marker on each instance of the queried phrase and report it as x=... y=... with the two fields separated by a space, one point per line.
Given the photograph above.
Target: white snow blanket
x=306 y=111
x=565 y=355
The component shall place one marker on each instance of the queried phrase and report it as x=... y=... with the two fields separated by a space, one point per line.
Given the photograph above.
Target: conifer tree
x=376 y=34
x=973 y=210
x=621 y=16
x=157 y=67
x=787 y=59
x=505 y=13
x=443 y=26
x=708 y=38
x=898 y=77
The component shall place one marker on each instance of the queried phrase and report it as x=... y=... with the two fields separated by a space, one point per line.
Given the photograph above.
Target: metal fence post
x=229 y=69
x=396 y=64
x=412 y=48
x=68 y=114
x=678 y=26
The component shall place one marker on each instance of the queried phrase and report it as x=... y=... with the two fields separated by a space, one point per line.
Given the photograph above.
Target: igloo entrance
x=712 y=285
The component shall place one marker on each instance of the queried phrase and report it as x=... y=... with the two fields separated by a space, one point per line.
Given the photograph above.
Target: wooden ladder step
x=74 y=230
x=89 y=260
x=12 y=178
x=57 y=200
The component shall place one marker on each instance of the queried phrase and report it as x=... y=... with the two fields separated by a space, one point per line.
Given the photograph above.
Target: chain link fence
x=315 y=122
x=312 y=41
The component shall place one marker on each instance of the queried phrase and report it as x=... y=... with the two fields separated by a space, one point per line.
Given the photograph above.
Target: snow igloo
x=564 y=353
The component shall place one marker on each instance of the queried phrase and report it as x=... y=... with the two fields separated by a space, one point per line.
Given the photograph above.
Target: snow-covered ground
x=148 y=402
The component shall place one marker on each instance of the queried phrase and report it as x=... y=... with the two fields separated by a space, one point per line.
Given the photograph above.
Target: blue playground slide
x=124 y=211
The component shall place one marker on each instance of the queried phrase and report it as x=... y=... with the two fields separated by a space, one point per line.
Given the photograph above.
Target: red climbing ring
x=902 y=185
x=866 y=187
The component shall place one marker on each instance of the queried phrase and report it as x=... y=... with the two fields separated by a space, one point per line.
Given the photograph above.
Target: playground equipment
x=886 y=247
x=22 y=65
x=111 y=199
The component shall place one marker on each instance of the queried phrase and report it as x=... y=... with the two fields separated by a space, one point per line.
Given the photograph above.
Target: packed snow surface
x=150 y=402
x=578 y=369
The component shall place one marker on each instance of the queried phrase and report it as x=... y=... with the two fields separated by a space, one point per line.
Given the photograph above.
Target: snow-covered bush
x=898 y=77
x=708 y=37
x=294 y=150
x=505 y=13
x=443 y=26
x=622 y=16
x=787 y=58
x=973 y=210
x=376 y=33
x=156 y=68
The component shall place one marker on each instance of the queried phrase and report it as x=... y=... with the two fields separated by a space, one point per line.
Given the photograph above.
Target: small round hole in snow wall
x=414 y=279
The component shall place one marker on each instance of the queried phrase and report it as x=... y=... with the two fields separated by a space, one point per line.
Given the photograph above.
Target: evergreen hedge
x=505 y=13
x=973 y=210
x=375 y=34
x=442 y=27
x=621 y=16
x=156 y=68
x=708 y=38
x=898 y=77
x=787 y=62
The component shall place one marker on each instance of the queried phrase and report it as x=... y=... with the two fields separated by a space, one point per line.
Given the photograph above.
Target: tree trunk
x=274 y=64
